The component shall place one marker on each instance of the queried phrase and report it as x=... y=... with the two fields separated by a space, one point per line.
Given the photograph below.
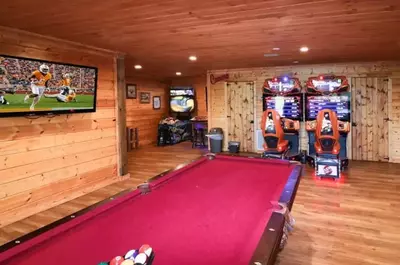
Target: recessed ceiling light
x=271 y=55
x=295 y=61
x=304 y=49
x=138 y=66
x=276 y=49
x=192 y=58
x=178 y=73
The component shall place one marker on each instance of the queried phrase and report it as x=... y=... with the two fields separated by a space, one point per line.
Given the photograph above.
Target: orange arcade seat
x=327 y=134
x=274 y=143
x=327 y=145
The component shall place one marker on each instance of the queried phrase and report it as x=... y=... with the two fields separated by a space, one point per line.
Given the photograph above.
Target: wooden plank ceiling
x=161 y=34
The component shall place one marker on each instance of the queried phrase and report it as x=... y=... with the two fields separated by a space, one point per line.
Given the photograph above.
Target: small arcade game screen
x=282 y=86
x=181 y=99
x=338 y=103
x=327 y=84
x=287 y=106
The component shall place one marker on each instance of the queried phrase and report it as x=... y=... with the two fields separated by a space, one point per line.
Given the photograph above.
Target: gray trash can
x=216 y=139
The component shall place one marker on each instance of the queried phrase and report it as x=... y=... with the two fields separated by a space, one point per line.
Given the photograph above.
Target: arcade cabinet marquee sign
x=217 y=79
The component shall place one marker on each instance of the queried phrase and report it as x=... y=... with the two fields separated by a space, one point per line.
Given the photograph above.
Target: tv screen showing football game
x=182 y=99
x=339 y=104
x=287 y=106
x=30 y=86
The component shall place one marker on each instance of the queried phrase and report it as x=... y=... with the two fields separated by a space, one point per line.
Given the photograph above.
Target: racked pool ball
x=117 y=260
x=131 y=254
x=146 y=249
x=128 y=262
x=141 y=259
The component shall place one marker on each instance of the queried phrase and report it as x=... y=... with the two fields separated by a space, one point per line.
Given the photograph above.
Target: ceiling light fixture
x=276 y=49
x=138 y=66
x=192 y=58
x=304 y=49
x=178 y=73
x=295 y=61
x=271 y=55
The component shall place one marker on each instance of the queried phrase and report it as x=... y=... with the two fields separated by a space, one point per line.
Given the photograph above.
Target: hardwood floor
x=352 y=222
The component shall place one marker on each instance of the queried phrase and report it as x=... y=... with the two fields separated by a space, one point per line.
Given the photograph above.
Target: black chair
x=198 y=137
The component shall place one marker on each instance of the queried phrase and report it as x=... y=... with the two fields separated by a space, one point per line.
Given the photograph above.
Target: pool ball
x=117 y=260
x=146 y=249
x=131 y=254
x=128 y=262
x=141 y=259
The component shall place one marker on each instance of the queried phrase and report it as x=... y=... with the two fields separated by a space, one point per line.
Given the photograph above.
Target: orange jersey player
x=66 y=81
x=39 y=81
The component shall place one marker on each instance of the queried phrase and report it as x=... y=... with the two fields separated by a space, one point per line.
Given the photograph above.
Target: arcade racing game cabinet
x=328 y=124
x=280 y=123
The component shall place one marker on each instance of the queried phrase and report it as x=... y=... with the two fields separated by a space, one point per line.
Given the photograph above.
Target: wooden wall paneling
x=371 y=114
x=239 y=113
x=364 y=118
x=390 y=120
x=120 y=111
x=395 y=123
x=143 y=116
x=383 y=121
x=354 y=112
x=372 y=117
x=47 y=161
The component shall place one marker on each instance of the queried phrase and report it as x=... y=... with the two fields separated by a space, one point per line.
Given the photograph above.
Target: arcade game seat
x=275 y=145
x=327 y=145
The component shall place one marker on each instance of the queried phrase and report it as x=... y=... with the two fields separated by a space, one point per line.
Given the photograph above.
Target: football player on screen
x=39 y=82
x=67 y=94
x=4 y=83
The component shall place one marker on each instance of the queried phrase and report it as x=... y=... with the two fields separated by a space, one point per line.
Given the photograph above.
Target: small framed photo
x=156 y=102
x=145 y=97
x=131 y=91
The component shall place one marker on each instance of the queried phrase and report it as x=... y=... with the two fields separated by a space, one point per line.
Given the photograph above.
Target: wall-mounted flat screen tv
x=34 y=87
x=181 y=99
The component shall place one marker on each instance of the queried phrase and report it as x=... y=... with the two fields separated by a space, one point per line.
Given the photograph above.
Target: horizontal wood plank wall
x=48 y=161
x=258 y=75
x=199 y=83
x=143 y=116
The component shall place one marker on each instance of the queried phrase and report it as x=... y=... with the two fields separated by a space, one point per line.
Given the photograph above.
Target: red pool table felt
x=208 y=212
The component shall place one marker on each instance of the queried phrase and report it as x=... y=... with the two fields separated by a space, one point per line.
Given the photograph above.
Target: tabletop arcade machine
x=327 y=124
x=282 y=113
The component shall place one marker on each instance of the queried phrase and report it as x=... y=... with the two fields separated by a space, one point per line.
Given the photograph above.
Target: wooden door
x=370 y=116
x=240 y=114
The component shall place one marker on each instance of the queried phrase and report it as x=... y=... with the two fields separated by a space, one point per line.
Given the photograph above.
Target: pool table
x=218 y=209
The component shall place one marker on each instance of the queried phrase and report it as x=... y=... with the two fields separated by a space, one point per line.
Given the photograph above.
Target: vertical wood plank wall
x=240 y=114
x=389 y=70
x=143 y=116
x=370 y=111
x=47 y=161
x=199 y=83
x=395 y=122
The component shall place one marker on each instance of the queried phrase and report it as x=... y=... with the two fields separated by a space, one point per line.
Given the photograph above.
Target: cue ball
x=141 y=259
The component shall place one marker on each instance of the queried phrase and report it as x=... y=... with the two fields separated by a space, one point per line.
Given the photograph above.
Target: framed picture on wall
x=156 y=102
x=131 y=91
x=145 y=97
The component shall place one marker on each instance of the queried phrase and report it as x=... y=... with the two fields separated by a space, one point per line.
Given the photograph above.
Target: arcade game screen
x=287 y=106
x=182 y=100
x=339 y=103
